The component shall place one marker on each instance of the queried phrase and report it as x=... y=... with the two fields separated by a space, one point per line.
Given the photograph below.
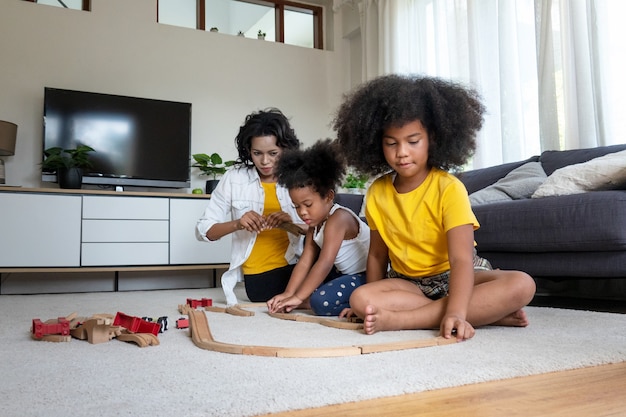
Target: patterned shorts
x=436 y=286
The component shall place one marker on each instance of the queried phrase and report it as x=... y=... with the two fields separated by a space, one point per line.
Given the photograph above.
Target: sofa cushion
x=602 y=173
x=519 y=183
x=578 y=222
x=352 y=201
x=553 y=160
x=477 y=179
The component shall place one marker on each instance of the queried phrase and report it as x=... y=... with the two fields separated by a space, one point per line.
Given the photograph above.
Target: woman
x=250 y=204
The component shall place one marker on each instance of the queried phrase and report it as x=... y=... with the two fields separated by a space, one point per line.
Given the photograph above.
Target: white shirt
x=238 y=192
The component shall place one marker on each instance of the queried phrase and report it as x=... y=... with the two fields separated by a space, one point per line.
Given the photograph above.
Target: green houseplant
x=68 y=164
x=354 y=182
x=211 y=165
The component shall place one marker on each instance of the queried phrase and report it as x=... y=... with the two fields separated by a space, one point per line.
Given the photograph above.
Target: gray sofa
x=554 y=238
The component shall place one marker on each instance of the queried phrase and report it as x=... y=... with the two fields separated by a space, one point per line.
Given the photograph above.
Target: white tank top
x=352 y=255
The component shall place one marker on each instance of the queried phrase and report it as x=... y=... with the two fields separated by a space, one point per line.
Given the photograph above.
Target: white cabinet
x=39 y=230
x=47 y=228
x=185 y=248
x=125 y=231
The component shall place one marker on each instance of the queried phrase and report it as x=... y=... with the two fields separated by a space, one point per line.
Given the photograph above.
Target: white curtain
x=550 y=71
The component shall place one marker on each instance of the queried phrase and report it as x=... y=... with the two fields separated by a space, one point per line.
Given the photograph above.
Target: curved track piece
x=141 y=339
x=317 y=319
x=202 y=337
x=237 y=310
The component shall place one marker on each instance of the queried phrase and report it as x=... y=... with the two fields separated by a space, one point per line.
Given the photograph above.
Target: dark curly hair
x=269 y=122
x=320 y=167
x=451 y=114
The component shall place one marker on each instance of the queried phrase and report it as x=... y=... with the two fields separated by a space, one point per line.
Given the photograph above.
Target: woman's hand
x=252 y=222
x=455 y=325
x=276 y=219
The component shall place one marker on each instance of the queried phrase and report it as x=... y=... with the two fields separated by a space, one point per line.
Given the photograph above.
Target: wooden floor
x=588 y=392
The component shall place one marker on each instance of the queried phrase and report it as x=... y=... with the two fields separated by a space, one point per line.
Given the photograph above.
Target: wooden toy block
x=99 y=330
x=182 y=323
x=292 y=228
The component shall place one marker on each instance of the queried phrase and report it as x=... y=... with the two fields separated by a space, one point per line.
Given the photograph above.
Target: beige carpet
x=177 y=378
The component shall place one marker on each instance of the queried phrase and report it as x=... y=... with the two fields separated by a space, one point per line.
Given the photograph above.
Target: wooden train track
x=202 y=337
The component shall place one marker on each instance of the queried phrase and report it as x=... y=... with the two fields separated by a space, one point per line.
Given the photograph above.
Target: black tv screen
x=137 y=141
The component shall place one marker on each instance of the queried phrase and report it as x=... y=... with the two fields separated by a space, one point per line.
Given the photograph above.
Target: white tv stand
x=118 y=236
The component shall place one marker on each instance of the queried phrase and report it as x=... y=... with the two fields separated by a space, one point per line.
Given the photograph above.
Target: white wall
x=118 y=48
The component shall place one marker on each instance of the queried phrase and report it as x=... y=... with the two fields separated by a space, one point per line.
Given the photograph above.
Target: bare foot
x=374 y=320
x=515 y=319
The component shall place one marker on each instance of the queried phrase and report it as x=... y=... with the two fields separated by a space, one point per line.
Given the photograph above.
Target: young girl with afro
x=333 y=260
x=422 y=269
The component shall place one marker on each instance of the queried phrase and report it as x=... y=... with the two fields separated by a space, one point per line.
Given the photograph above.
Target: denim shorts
x=436 y=286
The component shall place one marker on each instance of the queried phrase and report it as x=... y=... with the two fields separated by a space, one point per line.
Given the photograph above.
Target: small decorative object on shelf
x=211 y=165
x=261 y=35
x=68 y=164
x=214 y=29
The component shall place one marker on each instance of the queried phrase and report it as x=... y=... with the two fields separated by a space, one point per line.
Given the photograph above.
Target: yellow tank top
x=270 y=246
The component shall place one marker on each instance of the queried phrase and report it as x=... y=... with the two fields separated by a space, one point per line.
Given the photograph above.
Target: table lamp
x=8 y=134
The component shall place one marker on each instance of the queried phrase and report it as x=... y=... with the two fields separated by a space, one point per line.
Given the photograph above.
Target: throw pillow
x=604 y=173
x=519 y=183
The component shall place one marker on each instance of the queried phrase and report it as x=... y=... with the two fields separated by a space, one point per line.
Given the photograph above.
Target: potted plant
x=260 y=35
x=68 y=164
x=214 y=29
x=211 y=165
x=355 y=182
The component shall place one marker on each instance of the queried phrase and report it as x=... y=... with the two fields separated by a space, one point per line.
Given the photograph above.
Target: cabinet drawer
x=123 y=254
x=39 y=230
x=148 y=208
x=125 y=231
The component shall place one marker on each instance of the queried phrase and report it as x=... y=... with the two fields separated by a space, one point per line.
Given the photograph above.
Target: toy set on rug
x=100 y=328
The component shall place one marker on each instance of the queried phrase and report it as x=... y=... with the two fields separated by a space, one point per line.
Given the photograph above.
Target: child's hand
x=347 y=313
x=272 y=303
x=288 y=304
x=455 y=325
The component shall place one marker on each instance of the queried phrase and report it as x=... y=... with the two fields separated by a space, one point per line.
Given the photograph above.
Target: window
x=281 y=21
x=68 y=4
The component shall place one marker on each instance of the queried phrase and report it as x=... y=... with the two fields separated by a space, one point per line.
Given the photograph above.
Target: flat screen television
x=137 y=141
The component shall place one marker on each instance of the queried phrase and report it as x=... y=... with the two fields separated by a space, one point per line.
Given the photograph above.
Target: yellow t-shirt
x=413 y=225
x=270 y=246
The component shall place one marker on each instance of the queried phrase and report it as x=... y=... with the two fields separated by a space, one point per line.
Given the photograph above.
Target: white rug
x=177 y=378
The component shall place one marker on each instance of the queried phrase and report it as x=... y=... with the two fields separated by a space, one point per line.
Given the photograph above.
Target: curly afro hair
x=320 y=167
x=269 y=122
x=451 y=113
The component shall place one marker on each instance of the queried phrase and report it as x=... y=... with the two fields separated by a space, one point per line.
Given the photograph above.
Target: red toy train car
x=41 y=329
